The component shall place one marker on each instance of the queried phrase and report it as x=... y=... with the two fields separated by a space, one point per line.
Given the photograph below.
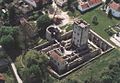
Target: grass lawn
x=70 y=27
x=1 y=1
x=63 y=27
x=103 y=22
x=42 y=42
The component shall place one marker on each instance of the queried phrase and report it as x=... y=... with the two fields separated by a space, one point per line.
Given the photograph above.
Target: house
x=61 y=2
x=57 y=61
x=2 y=79
x=84 y=6
x=114 y=8
x=34 y=2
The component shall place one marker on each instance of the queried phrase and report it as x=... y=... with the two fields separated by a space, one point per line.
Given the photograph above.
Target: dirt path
x=15 y=72
x=61 y=14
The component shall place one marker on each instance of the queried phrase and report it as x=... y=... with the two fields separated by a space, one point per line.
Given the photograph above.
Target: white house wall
x=31 y=3
x=114 y=12
x=85 y=9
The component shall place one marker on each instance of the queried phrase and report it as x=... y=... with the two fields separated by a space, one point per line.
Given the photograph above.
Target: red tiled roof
x=35 y=1
x=90 y=3
x=94 y=2
x=56 y=57
x=31 y=0
x=84 y=6
x=98 y=1
x=44 y=1
x=115 y=6
x=1 y=77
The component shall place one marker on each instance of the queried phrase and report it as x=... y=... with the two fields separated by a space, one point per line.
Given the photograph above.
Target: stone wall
x=45 y=45
x=93 y=37
x=67 y=35
x=50 y=48
x=27 y=27
x=103 y=48
x=99 y=41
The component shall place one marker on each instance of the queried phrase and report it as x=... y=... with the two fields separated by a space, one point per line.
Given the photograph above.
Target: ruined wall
x=27 y=27
x=99 y=41
x=67 y=35
x=50 y=48
x=45 y=45
x=93 y=37
x=74 y=63
x=91 y=54
x=95 y=53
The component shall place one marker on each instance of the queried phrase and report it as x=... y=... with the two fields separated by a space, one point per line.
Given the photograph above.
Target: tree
x=12 y=16
x=110 y=14
x=8 y=1
x=13 y=31
x=2 y=54
x=35 y=58
x=69 y=4
x=36 y=67
x=9 y=37
x=43 y=22
x=32 y=74
x=117 y=1
x=40 y=4
x=7 y=42
x=107 y=1
x=94 y=21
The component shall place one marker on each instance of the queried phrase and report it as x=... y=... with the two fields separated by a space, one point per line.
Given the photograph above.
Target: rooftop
x=61 y=1
x=115 y=6
x=86 y=4
x=56 y=56
x=1 y=77
x=81 y=23
x=34 y=0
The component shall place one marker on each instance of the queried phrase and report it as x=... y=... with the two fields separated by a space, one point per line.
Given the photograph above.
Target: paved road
x=15 y=72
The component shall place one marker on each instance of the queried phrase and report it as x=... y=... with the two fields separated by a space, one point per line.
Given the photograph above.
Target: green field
x=103 y=22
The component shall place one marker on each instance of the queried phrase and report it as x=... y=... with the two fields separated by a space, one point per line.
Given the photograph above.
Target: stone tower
x=80 y=34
